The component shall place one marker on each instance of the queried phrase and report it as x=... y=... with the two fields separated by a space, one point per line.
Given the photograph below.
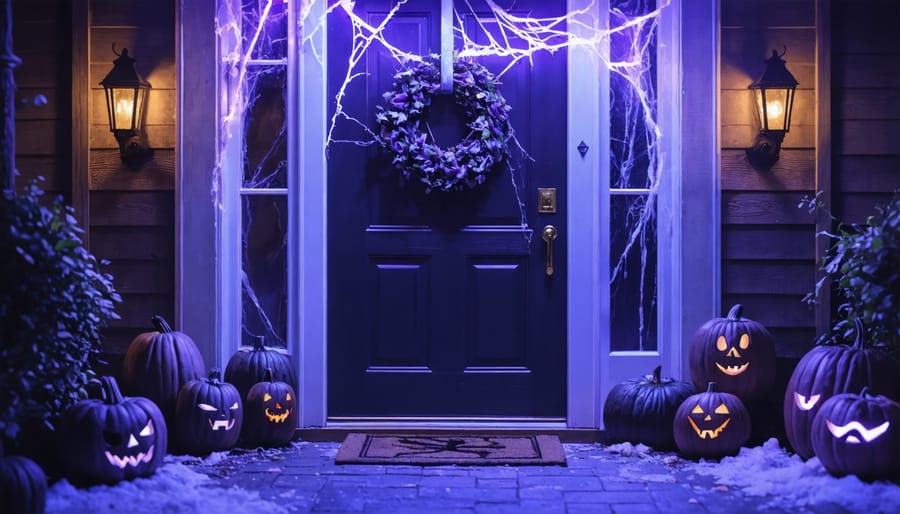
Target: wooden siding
x=768 y=242
x=865 y=106
x=132 y=211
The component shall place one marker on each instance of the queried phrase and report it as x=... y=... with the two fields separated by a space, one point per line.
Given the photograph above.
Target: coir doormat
x=480 y=450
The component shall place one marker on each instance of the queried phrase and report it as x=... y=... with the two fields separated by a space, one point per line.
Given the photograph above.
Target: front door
x=439 y=304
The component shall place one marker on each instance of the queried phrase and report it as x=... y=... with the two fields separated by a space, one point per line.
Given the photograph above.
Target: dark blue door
x=439 y=304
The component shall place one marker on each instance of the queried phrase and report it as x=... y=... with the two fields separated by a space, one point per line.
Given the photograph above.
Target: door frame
x=206 y=224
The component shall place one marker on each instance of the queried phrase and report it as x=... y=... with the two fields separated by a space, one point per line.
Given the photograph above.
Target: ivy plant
x=863 y=267
x=54 y=302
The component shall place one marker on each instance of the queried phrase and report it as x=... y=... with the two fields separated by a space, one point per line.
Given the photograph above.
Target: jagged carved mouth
x=221 y=424
x=733 y=371
x=867 y=434
x=803 y=403
x=129 y=460
x=709 y=433
x=277 y=418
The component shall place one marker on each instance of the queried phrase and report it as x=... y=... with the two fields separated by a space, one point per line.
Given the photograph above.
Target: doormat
x=466 y=449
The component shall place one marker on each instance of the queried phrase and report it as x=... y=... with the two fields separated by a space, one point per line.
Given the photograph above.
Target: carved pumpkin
x=23 y=485
x=859 y=435
x=113 y=438
x=829 y=370
x=735 y=352
x=270 y=413
x=711 y=424
x=248 y=366
x=158 y=363
x=208 y=415
x=641 y=410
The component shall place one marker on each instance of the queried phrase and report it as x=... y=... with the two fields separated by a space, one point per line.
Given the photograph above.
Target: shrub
x=54 y=301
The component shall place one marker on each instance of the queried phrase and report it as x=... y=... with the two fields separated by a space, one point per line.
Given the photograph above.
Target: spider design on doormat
x=482 y=446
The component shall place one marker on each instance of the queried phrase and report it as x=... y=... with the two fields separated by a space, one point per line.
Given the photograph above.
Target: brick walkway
x=304 y=478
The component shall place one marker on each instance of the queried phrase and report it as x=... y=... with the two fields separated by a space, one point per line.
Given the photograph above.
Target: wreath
x=404 y=130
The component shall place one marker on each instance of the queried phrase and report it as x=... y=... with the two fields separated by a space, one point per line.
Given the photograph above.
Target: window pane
x=632 y=95
x=265 y=130
x=271 y=40
x=264 y=278
x=633 y=268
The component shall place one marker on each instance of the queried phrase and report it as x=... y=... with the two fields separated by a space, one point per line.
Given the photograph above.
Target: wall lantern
x=774 y=92
x=126 y=99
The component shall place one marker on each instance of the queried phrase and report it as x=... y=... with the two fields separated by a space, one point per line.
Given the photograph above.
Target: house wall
x=129 y=213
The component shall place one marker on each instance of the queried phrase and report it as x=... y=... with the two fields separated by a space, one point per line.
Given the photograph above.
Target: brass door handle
x=548 y=235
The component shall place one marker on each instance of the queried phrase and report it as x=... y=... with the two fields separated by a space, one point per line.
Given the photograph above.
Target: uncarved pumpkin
x=249 y=364
x=208 y=415
x=829 y=370
x=641 y=410
x=735 y=352
x=23 y=485
x=858 y=434
x=711 y=424
x=111 y=439
x=158 y=363
x=270 y=413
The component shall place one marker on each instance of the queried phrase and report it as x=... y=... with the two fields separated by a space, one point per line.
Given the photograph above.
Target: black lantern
x=126 y=98
x=774 y=92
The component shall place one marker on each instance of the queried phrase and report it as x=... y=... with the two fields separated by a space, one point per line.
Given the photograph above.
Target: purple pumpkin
x=858 y=434
x=23 y=485
x=641 y=410
x=711 y=424
x=111 y=439
x=270 y=413
x=249 y=364
x=829 y=370
x=736 y=353
x=208 y=415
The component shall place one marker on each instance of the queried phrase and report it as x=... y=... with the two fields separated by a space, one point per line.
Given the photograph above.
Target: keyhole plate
x=547 y=200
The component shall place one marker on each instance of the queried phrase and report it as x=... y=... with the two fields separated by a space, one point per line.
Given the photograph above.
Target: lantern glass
x=126 y=108
x=774 y=106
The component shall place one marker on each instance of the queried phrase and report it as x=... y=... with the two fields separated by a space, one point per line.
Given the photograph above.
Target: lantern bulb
x=775 y=109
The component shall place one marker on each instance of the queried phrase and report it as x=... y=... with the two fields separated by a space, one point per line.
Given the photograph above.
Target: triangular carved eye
x=207 y=407
x=721 y=409
x=234 y=406
x=697 y=410
x=148 y=429
x=267 y=397
x=287 y=397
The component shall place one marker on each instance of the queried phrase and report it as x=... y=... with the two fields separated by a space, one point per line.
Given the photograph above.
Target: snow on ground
x=777 y=478
x=783 y=479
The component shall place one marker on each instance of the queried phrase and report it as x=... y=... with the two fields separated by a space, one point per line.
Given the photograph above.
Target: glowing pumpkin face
x=711 y=424
x=826 y=371
x=857 y=434
x=112 y=439
x=277 y=411
x=208 y=415
x=735 y=352
x=271 y=413
x=705 y=425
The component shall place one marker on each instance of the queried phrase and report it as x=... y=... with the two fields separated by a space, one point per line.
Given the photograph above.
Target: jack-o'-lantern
x=208 y=415
x=735 y=352
x=249 y=364
x=112 y=438
x=23 y=485
x=858 y=434
x=270 y=413
x=829 y=370
x=711 y=424
x=641 y=410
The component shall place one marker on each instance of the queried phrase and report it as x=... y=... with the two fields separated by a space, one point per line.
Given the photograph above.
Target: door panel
x=438 y=304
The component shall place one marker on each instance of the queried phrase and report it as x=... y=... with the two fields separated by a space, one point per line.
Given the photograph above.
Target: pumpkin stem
x=735 y=312
x=259 y=344
x=860 y=341
x=712 y=387
x=267 y=376
x=111 y=393
x=215 y=376
x=865 y=392
x=656 y=373
x=161 y=325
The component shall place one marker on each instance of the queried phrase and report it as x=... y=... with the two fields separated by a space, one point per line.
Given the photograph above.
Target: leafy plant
x=863 y=264
x=54 y=301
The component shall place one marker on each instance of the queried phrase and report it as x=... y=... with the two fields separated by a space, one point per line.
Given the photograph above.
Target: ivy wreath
x=404 y=131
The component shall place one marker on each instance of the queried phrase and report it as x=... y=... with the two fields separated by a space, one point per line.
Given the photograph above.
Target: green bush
x=863 y=265
x=54 y=301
